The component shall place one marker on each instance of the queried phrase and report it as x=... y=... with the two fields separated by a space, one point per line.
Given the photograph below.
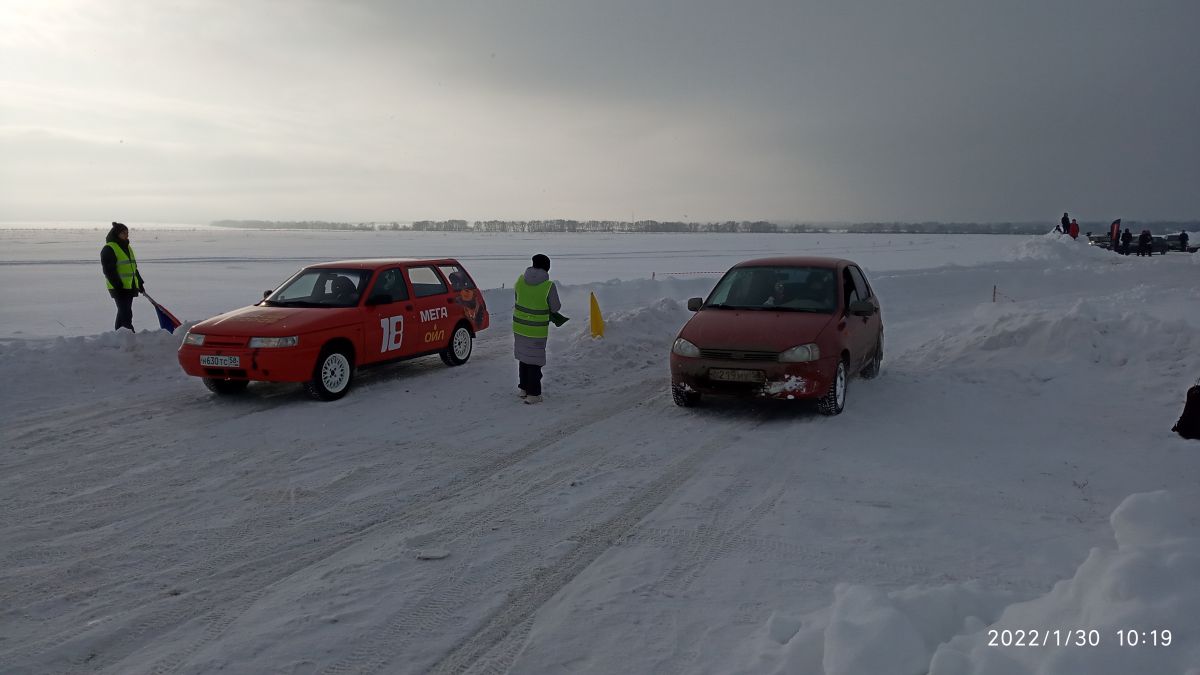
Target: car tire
x=684 y=398
x=332 y=375
x=834 y=400
x=224 y=387
x=872 y=369
x=459 y=350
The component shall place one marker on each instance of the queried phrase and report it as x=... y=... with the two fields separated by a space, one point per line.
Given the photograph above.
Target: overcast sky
x=951 y=110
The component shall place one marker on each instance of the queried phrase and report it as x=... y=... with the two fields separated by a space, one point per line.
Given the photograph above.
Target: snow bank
x=1049 y=342
x=1149 y=582
x=1058 y=250
x=633 y=339
x=118 y=366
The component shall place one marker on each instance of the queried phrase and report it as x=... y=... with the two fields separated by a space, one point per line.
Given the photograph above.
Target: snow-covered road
x=430 y=522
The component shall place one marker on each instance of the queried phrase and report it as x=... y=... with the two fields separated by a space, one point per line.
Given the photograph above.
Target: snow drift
x=1149 y=582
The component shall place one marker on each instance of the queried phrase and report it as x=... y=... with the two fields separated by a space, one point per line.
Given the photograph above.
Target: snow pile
x=637 y=338
x=117 y=367
x=1087 y=334
x=1151 y=581
x=1058 y=250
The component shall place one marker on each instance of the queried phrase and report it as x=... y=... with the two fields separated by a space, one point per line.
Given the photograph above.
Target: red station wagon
x=330 y=318
x=790 y=328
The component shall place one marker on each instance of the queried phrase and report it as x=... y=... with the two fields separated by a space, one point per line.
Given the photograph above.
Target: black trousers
x=531 y=378
x=124 y=311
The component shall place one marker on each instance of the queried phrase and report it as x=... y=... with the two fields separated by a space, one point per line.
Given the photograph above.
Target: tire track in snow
x=594 y=540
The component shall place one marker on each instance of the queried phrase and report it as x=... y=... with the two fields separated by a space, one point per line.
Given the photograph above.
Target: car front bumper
x=282 y=364
x=786 y=381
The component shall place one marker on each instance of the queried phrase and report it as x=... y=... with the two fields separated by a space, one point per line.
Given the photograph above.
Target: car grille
x=732 y=355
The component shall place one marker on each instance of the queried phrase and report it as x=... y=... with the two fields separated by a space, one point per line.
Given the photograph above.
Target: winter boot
x=532 y=399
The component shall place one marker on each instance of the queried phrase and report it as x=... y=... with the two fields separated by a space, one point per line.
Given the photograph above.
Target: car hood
x=263 y=321
x=753 y=330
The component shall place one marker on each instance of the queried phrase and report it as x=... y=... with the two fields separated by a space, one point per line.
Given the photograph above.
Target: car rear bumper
x=285 y=364
x=779 y=380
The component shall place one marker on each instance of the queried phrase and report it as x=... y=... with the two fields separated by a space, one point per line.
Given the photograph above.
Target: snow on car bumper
x=283 y=364
x=778 y=380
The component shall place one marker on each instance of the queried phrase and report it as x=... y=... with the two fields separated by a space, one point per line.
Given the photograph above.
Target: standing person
x=1065 y=224
x=1126 y=240
x=1183 y=240
x=119 y=265
x=1074 y=230
x=1144 y=240
x=1114 y=235
x=536 y=299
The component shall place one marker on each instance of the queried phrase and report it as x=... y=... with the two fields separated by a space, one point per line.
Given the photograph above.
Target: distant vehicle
x=1174 y=243
x=1157 y=244
x=330 y=318
x=787 y=328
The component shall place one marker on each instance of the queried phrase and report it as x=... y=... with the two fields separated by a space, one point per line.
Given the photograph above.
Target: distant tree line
x=727 y=227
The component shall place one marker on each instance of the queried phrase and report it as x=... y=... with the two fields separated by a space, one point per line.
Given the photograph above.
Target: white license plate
x=736 y=375
x=221 y=361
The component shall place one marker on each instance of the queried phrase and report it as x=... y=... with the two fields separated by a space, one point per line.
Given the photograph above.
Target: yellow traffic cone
x=597 y=320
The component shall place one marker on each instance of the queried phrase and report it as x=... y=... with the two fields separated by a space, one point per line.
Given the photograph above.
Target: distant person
x=1183 y=240
x=1074 y=229
x=119 y=265
x=1064 y=225
x=1188 y=425
x=1126 y=240
x=536 y=299
x=1144 y=240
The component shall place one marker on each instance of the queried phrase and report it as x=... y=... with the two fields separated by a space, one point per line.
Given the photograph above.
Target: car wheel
x=332 y=375
x=225 y=387
x=872 y=369
x=459 y=349
x=684 y=398
x=834 y=400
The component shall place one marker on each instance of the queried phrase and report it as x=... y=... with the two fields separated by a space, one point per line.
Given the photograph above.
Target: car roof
x=377 y=263
x=796 y=261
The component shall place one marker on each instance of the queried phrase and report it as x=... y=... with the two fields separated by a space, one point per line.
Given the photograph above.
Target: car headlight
x=684 y=348
x=801 y=354
x=256 y=342
x=191 y=338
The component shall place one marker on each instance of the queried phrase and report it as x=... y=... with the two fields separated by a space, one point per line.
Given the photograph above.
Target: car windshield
x=795 y=289
x=321 y=287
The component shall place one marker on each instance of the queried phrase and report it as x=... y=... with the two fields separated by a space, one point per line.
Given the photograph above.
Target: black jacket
x=108 y=263
x=1145 y=238
x=1126 y=237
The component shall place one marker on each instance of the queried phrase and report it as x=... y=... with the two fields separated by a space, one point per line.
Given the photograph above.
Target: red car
x=330 y=318
x=789 y=328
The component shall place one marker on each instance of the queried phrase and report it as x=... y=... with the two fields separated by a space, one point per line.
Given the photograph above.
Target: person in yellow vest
x=121 y=273
x=536 y=299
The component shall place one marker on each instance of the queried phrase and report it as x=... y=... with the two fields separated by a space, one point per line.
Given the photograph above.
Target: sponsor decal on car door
x=432 y=302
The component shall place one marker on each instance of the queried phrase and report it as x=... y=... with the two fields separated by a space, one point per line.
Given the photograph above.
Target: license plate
x=736 y=375
x=221 y=361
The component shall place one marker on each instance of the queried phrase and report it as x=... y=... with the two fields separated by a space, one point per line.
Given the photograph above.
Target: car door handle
x=451 y=300
x=408 y=308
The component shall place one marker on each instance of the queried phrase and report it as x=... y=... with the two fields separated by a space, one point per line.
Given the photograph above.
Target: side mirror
x=379 y=299
x=694 y=304
x=862 y=308
x=267 y=294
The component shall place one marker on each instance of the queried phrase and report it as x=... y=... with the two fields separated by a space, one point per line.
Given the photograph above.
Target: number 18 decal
x=393 y=333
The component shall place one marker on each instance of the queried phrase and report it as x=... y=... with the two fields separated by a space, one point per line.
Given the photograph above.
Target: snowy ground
x=151 y=528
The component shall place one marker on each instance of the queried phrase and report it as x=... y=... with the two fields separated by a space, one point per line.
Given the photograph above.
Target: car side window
x=459 y=281
x=860 y=282
x=850 y=291
x=425 y=282
x=391 y=284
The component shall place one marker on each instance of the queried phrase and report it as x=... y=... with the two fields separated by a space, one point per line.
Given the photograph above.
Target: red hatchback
x=789 y=328
x=330 y=318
